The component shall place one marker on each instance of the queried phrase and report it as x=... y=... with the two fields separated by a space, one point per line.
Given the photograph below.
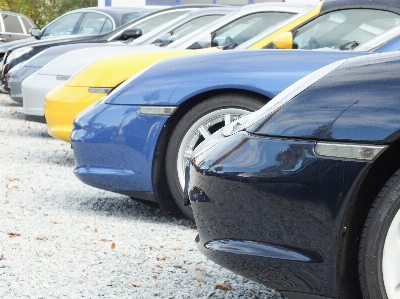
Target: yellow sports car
x=64 y=102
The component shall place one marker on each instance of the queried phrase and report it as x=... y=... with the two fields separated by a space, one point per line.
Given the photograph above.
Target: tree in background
x=43 y=12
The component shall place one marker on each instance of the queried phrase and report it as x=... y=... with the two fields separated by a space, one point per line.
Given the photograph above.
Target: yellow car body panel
x=111 y=71
x=268 y=39
x=64 y=102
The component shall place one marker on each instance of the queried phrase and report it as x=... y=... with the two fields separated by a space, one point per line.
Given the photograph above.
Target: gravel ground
x=60 y=238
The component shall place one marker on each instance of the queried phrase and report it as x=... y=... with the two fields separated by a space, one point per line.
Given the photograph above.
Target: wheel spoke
x=204 y=131
x=227 y=119
x=188 y=154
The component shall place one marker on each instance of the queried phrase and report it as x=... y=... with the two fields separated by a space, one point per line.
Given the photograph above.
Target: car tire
x=379 y=258
x=200 y=121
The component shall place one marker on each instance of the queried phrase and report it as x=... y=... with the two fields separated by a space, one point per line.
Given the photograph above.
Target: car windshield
x=246 y=27
x=345 y=29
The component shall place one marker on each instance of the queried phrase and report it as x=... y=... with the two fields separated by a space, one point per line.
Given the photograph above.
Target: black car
x=14 y=26
x=24 y=51
x=303 y=195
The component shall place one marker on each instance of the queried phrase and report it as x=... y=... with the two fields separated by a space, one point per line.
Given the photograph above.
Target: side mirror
x=204 y=41
x=283 y=41
x=35 y=32
x=131 y=33
x=165 y=38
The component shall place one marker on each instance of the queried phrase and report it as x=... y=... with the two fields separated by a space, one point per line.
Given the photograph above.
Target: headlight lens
x=18 y=53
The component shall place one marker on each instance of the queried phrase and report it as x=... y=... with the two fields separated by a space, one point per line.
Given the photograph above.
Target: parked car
x=205 y=97
x=303 y=194
x=180 y=26
x=144 y=132
x=81 y=22
x=132 y=30
x=14 y=26
x=254 y=17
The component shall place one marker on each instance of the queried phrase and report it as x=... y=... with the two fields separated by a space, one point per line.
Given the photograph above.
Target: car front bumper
x=114 y=147
x=272 y=210
x=62 y=105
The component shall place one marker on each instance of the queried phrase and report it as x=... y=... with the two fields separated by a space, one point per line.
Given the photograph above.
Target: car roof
x=390 y=5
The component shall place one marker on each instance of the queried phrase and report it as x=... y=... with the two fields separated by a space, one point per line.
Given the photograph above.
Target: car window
x=132 y=16
x=108 y=26
x=92 y=23
x=344 y=29
x=12 y=24
x=191 y=26
x=158 y=20
x=27 y=24
x=247 y=27
x=64 y=25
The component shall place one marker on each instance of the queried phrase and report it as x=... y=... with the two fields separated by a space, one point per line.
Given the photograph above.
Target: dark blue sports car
x=303 y=195
x=138 y=139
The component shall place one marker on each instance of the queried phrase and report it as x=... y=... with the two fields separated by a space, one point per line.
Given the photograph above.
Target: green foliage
x=43 y=12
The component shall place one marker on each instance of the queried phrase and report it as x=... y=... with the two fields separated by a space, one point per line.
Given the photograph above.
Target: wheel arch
x=355 y=216
x=161 y=189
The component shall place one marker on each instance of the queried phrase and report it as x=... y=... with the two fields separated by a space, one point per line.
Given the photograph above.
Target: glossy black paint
x=279 y=194
x=264 y=189
x=349 y=105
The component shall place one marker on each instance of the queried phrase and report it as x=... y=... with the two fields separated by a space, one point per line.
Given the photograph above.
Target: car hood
x=67 y=65
x=48 y=41
x=266 y=72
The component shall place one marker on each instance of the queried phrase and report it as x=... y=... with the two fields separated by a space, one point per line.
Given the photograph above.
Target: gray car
x=14 y=26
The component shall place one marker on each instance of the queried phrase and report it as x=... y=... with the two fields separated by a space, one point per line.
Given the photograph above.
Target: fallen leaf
x=105 y=240
x=163 y=258
x=200 y=270
x=1 y=257
x=15 y=179
x=200 y=280
x=14 y=187
x=112 y=245
x=158 y=266
x=54 y=222
x=224 y=287
x=13 y=235
x=41 y=238
x=96 y=230
x=177 y=248
x=58 y=245
x=6 y=202
x=22 y=207
x=154 y=276
x=161 y=246
x=251 y=290
x=136 y=284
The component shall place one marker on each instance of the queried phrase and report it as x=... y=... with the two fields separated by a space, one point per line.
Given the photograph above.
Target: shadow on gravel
x=62 y=158
x=6 y=101
x=129 y=208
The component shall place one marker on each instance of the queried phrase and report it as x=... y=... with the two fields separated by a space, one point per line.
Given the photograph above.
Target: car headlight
x=18 y=53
